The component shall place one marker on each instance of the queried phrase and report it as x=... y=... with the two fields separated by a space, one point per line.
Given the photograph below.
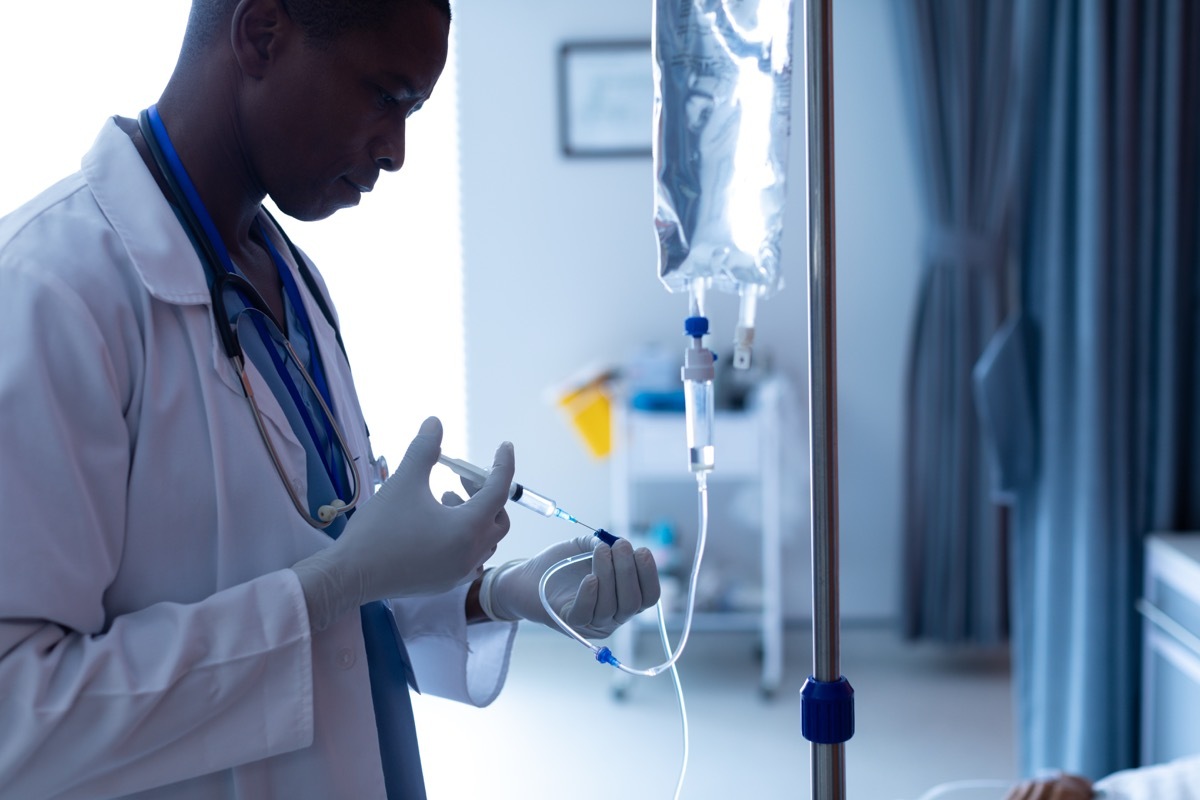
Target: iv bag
x=722 y=119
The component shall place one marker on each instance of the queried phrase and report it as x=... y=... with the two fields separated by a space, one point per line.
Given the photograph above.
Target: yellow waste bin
x=589 y=408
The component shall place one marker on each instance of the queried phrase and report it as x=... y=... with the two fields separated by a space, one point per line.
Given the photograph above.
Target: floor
x=924 y=716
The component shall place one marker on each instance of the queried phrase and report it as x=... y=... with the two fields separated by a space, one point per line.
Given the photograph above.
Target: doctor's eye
x=406 y=105
x=385 y=99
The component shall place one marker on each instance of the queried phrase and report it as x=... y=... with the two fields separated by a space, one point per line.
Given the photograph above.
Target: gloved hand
x=402 y=541
x=593 y=597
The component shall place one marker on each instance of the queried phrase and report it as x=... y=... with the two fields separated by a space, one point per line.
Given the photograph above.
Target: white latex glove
x=402 y=541
x=594 y=597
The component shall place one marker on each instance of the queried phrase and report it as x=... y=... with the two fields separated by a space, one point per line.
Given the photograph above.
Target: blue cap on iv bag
x=696 y=326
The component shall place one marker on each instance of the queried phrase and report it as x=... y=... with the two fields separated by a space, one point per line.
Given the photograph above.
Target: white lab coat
x=152 y=637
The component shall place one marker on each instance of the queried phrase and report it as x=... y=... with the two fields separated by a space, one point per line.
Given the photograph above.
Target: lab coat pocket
x=276 y=430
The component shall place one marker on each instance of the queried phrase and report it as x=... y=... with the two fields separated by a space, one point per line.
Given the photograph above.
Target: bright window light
x=393 y=265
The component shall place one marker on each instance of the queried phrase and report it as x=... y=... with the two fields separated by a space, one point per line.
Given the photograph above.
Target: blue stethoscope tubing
x=222 y=275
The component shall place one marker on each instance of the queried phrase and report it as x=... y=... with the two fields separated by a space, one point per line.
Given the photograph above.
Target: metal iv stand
x=827 y=700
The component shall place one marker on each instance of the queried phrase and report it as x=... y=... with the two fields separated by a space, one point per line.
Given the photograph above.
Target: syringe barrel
x=533 y=501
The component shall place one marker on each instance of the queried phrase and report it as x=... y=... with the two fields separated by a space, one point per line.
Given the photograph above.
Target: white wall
x=560 y=271
x=105 y=58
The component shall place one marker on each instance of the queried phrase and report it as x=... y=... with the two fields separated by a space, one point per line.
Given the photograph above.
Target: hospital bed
x=1174 y=780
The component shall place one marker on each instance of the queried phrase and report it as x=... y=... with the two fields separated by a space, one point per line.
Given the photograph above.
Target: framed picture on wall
x=606 y=98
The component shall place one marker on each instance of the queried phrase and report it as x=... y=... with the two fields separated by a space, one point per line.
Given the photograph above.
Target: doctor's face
x=330 y=118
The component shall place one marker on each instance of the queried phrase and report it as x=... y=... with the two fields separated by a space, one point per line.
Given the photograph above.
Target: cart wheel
x=767 y=692
x=620 y=693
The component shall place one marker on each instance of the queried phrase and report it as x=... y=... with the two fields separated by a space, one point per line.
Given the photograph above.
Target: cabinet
x=649 y=463
x=1170 y=609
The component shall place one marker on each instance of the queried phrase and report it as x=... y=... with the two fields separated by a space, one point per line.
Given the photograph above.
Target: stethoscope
x=207 y=243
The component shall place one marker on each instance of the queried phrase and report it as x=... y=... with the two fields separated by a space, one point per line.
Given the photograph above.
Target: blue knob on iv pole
x=827 y=711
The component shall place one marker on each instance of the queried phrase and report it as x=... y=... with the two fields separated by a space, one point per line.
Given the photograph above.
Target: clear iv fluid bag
x=722 y=119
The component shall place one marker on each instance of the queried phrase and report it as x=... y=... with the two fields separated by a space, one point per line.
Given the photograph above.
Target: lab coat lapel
x=168 y=266
x=157 y=244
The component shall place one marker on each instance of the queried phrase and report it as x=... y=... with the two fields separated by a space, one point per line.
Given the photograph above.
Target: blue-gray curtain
x=960 y=70
x=1101 y=359
x=1088 y=394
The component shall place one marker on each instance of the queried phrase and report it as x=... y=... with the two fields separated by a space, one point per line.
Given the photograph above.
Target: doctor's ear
x=257 y=33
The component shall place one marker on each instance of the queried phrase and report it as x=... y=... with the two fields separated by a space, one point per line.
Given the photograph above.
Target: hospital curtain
x=1090 y=391
x=959 y=66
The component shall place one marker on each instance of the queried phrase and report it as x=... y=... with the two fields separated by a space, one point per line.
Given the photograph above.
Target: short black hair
x=322 y=21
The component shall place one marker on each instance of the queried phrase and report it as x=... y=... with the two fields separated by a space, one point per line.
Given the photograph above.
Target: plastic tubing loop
x=683 y=720
x=603 y=654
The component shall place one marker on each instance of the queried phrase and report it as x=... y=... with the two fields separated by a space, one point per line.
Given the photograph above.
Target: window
x=393 y=265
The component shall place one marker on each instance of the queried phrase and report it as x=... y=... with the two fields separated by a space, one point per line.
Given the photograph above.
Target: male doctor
x=199 y=595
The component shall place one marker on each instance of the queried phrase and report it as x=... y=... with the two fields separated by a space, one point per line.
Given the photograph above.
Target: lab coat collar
x=153 y=236
x=157 y=244
x=169 y=268
x=164 y=258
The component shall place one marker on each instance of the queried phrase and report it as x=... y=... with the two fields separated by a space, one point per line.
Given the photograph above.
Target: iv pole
x=827 y=701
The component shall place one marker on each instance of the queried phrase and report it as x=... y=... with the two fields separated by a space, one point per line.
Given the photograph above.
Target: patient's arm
x=1060 y=787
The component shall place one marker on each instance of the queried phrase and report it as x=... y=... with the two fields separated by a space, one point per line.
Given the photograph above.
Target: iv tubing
x=603 y=654
x=666 y=643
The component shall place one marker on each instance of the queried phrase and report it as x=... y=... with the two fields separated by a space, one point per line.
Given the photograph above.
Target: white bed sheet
x=1175 y=780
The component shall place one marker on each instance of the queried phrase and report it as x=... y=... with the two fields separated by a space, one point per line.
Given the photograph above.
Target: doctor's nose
x=388 y=151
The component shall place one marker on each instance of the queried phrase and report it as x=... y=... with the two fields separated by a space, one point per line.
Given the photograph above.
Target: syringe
x=523 y=496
